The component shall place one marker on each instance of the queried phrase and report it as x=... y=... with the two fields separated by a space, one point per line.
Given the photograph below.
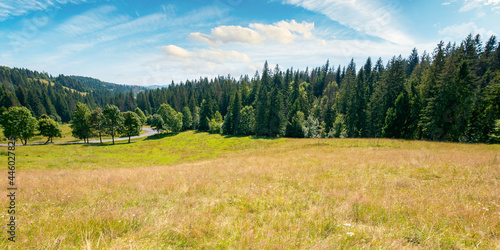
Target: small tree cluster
x=18 y=123
x=110 y=121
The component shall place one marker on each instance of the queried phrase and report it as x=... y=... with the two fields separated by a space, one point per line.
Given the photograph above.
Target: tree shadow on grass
x=254 y=137
x=160 y=136
x=239 y=136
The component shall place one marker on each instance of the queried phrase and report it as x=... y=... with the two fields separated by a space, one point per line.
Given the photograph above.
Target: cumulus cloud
x=227 y=34
x=280 y=34
x=179 y=52
x=303 y=28
x=282 y=31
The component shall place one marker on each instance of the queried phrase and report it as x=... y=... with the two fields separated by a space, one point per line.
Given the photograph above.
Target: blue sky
x=155 y=42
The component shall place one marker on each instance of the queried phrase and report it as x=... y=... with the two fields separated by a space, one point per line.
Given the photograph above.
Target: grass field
x=195 y=190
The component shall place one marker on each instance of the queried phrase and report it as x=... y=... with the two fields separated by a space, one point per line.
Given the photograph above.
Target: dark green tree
x=277 y=121
x=18 y=123
x=296 y=126
x=97 y=122
x=157 y=123
x=187 y=118
x=206 y=113
x=131 y=124
x=80 y=125
x=141 y=115
x=113 y=120
x=396 y=120
x=172 y=119
x=49 y=128
x=247 y=122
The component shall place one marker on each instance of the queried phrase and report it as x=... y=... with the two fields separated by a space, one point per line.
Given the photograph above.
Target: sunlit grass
x=196 y=190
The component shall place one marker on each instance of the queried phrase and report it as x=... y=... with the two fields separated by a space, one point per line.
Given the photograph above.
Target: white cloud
x=227 y=34
x=365 y=16
x=470 y=5
x=477 y=4
x=322 y=42
x=282 y=31
x=208 y=55
x=92 y=21
x=280 y=34
x=11 y=8
x=303 y=28
x=449 y=2
x=457 y=32
x=178 y=52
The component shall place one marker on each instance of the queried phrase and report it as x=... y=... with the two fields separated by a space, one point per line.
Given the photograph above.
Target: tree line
x=452 y=94
x=19 y=123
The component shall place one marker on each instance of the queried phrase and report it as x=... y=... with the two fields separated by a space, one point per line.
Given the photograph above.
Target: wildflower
x=349 y=233
x=347 y=225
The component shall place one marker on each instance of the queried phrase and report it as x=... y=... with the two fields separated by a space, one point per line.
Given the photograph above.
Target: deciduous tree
x=131 y=124
x=80 y=124
x=113 y=120
x=17 y=122
x=49 y=128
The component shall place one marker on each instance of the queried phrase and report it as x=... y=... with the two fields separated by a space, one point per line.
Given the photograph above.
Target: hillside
x=57 y=96
x=93 y=84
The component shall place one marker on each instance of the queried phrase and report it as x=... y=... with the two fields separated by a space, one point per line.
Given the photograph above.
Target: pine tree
x=206 y=113
x=235 y=113
x=262 y=106
x=296 y=127
x=187 y=119
x=396 y=120
x=277 y=121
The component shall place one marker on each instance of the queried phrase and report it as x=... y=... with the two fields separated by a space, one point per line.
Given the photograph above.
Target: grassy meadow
x=196 y=190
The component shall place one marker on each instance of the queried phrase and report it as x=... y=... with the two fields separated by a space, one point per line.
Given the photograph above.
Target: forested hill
x=91 y=84
x=57 y=96
x=452 y=94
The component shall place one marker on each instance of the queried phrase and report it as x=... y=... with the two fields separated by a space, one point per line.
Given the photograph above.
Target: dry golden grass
x=313 y=194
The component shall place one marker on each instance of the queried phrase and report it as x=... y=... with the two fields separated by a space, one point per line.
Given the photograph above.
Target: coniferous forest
x=450 y=94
